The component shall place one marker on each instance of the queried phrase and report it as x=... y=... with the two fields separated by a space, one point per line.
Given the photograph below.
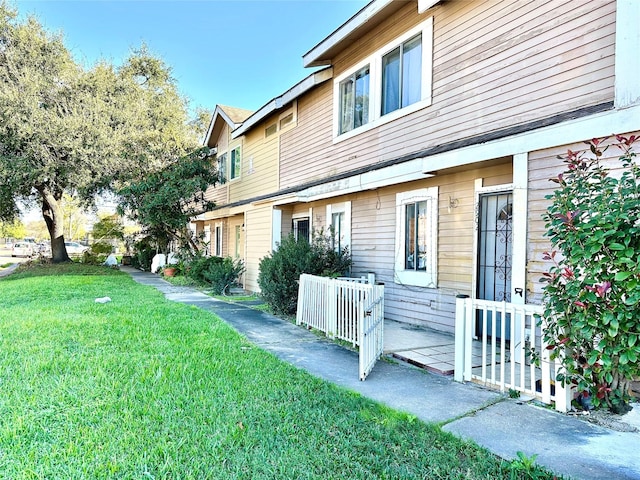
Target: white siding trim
x=572 y=131
x=393 y=175
x=627 y=72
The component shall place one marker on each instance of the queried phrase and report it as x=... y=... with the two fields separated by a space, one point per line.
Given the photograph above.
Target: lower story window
x=415 y=242
x=218 y=241
x=301 y=229
x=337 y=224
x=417 y=237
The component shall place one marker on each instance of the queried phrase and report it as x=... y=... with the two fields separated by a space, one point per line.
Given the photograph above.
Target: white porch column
x=519 y=253
x=519 y=225
x=627 y=69
x=276 y=228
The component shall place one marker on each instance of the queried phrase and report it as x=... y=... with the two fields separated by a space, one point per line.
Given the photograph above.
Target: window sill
x=389 y=117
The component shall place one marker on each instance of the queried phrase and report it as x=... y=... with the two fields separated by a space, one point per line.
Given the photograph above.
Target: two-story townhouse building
x=428 y=140
x=220 y=229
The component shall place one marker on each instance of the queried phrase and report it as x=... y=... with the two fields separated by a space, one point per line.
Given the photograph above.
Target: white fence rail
x=348 y=309
x=494 y=341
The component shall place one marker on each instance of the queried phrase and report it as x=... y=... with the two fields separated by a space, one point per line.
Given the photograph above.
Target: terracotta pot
x=169 y=272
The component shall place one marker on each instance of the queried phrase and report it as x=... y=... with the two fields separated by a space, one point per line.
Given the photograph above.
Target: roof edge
x=278 y=102
x=311 y=58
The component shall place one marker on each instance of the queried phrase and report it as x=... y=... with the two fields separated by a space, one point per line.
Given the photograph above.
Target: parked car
x=22 y=249
x=75 y=248
x=45 y=248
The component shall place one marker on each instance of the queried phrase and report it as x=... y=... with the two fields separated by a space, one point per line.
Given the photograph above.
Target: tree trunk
x=53 y=217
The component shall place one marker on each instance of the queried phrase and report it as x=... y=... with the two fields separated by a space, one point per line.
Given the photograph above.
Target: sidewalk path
x=564 y=444
x=6 y=271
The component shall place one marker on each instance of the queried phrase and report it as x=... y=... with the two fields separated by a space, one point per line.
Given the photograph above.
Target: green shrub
x=198 y=265
x=100 y=248
x=592 y=298
x=222 y=275
x=281 y=270
x=143 y=256
x=91 y=258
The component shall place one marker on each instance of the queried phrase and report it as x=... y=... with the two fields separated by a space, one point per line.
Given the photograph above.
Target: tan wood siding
x=217 y=194
x=373 y=230
x=496 y=64
x=258 y=243
x=544 y=165
x=259 y=170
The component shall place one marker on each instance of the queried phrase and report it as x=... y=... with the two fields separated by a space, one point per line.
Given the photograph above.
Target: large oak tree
x=67 y=128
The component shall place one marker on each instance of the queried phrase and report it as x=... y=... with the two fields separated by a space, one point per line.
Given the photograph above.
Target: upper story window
x=236 y=161
x=393 y=82
x=271 y=130
x=222 y=168
x=286 y=120
x=402 y=75
x=354 y=100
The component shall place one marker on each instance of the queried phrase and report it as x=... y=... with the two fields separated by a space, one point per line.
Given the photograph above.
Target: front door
x=494 y=253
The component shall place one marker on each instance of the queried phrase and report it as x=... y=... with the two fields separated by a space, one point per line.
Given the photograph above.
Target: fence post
x=460 y=336
x=562 y=393
x=332 y=307
x=302 y=301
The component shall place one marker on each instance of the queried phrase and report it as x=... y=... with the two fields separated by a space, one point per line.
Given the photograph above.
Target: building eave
x=366 y=19
x=219 y=115
x=283 y=100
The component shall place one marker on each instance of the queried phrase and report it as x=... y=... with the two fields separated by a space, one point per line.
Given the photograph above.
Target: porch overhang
x=371 y=180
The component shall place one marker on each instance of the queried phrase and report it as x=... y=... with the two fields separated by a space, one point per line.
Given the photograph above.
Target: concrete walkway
x=564 y=444
x=7 y=271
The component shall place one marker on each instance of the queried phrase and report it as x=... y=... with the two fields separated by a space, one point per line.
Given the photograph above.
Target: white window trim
x=428 y=278
x=375 y=86
x=345 y=208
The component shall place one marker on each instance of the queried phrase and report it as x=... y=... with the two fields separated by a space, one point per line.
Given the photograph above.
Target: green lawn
x=145 y=388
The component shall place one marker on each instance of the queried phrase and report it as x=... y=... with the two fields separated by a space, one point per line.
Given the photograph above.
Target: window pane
x=235 y=163
x=218 y=245
x=361 y=113
x=346 y=105
x=301 y=229
x=337 y=222
x=421 y=235
x=410 y=237
x=391 y=81
x=222 y=168
x=354 y=100
x=412 y=71
x=237 y=241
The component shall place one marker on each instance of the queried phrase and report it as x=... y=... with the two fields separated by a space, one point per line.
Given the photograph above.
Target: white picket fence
x=348 y=309
x=493 y=345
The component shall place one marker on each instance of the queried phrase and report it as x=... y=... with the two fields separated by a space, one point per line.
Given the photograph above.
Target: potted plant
x=169 y=271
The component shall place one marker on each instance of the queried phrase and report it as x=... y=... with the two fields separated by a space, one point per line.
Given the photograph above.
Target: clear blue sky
x=238 y=53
